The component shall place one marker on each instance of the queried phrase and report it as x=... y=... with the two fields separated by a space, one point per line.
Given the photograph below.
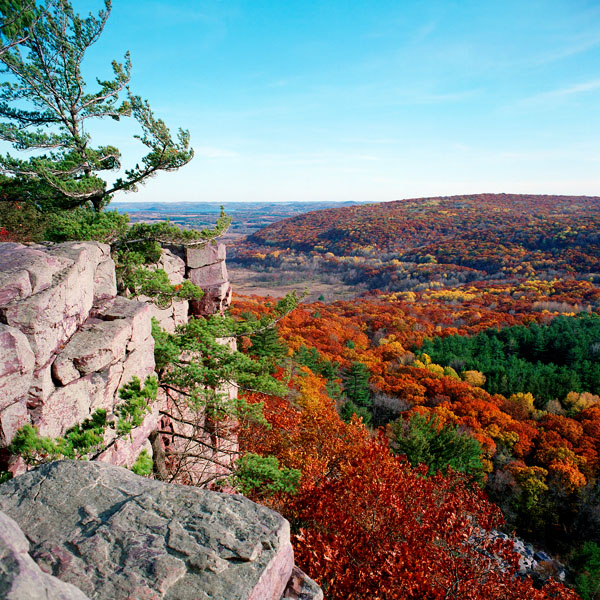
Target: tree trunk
x=158 y=456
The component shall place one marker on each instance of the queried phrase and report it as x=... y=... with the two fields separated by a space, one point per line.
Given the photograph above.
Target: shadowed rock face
x=20 y=577
x=116 y=535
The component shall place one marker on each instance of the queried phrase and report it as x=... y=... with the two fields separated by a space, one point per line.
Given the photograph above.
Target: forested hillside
x=406 y=244
x=476 y=350
x=537 y=455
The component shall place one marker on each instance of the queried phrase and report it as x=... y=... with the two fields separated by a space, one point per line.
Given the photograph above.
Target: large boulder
x=116 y=535
x=210 y=253
x=216 y=299
x=95 y=346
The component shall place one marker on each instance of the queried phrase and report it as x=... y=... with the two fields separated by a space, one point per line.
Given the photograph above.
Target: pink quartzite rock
x=116 y=535
x=41 y=386
x=16 y=365
x=26 y=270
x=51 y=315
x=20 y=576
x=12 y=418
x=105 y=281
x=64 y=371
x=177 y=313
x=106 y=392
x=17 y=286
x=301 y=587
x=68 y=405
x=180 y=312
x=275 y=577
x=172 y=265
x=94 y=347
x=139 y=363
x=215 y=300
x=200 y=256
x=138 y=313
x=210 y=275
x=169 y=318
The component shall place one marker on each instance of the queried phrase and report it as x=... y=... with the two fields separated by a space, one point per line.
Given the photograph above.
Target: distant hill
x=438 y=224
x=407 y=243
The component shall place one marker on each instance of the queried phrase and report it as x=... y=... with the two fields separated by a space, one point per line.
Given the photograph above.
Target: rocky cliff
x=68 y=342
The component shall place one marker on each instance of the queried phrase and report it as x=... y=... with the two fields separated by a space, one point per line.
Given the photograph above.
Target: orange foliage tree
x=367 y=525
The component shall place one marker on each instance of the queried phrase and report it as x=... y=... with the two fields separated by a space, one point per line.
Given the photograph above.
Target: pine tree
x=266 y=343
x=424 y=440
x=16 y=19
x=45 y=107
x=355 y=381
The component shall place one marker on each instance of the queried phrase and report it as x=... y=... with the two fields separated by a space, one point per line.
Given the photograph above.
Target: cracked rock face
x=202 y=256
x=48 y=292
x=116 y=535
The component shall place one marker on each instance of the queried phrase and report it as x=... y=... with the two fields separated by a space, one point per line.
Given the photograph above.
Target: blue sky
x=353 y=100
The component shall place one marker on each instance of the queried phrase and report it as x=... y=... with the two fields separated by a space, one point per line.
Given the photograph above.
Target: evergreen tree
x=266 y=343
x=317 y=363
x=355 y=382
x=16 y=18
x=586 y=564
x=349 y=410
x=45 y=107
x=425 y=441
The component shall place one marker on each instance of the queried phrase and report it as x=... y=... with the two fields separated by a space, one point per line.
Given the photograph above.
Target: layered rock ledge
x=115 y=535
x=67 y=342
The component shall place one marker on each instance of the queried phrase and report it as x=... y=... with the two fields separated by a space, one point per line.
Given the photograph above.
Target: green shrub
x=261 y=476
x=143 y=465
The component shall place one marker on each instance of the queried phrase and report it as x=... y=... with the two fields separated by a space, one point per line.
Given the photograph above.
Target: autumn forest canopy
x=416 y=435
x=473 y=347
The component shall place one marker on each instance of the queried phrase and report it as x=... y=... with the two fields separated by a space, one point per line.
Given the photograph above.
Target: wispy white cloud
x=576 y=89
x=563 y=92
x=571 y=48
